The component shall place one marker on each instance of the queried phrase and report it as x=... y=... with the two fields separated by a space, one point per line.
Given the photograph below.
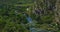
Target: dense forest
x=29 y=15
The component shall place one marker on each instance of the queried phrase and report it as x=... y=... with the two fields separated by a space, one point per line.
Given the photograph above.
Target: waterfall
x=29 y=19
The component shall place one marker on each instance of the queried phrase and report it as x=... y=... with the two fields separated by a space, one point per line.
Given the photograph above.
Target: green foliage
x=12 y=18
